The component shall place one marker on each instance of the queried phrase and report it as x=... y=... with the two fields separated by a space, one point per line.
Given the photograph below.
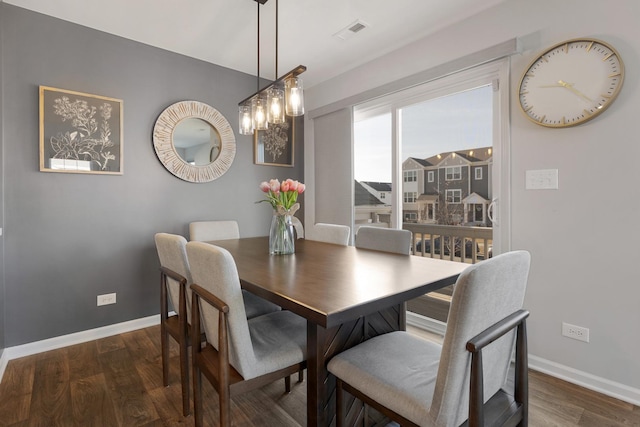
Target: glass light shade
x=294 y=94
x=259 y=113
x=245 y=124
x=275 y=105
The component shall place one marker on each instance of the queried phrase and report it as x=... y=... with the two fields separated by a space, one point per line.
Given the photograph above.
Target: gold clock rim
x=590 y=117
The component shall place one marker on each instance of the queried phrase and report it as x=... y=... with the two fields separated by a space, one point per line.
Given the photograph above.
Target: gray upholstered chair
x=419 y=383
x=299 y=227
x=240 y=354
x=331 y=233
x=206 y=231
x=175 y=279
x=384 y=239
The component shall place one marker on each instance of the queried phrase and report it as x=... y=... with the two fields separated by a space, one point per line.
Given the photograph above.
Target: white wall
x=583 y=237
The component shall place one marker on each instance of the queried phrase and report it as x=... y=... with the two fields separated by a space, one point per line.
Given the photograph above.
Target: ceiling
x=224 y=32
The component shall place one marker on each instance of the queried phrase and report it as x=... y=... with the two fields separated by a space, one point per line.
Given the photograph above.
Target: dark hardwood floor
x=117 y=381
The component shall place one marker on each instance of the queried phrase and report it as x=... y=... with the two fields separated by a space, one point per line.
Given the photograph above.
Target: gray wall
x=69 y=237
x=2 y=287
x=583 y=236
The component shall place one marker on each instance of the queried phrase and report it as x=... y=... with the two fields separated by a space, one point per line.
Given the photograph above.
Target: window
x=453 y=173
x=430 y=176
x=382 y=196
x=410 y=197
x=454 y=196
x=478 y=173
x=410 y=176
x=410 y=216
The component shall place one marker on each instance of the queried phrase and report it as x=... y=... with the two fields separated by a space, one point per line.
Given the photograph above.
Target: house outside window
x=478 y=173
x=410 y=176
x=382 y=195
x=453 y=173
x=410 y=216
x=410 y=196
x=430 y=176
x=454 y=196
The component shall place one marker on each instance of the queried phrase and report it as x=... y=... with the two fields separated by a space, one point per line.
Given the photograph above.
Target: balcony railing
x=452 y=242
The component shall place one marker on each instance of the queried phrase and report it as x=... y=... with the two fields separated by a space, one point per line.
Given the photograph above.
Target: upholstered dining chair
x=175 y=279
x=297 y=224
x=331 y=233
x=205 y=231
x=239 y=354
x=416 y=382
x=384 y=239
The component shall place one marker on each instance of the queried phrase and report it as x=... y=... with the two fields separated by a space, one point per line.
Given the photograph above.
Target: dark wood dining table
x=346 y=294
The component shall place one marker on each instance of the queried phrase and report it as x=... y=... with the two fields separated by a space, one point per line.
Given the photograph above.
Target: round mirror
x=194 y=141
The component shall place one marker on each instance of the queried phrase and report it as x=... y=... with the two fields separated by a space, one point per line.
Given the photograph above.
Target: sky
x=454 y=122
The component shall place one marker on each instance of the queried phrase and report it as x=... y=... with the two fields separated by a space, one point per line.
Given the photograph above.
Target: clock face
x=571 y=82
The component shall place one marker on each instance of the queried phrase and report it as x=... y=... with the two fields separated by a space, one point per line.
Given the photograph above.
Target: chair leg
x=184 y=376
x=339 y=404
x=287 y=384
x=165 y=355
x=225 y=407
x=301 y=375
x=197 y=396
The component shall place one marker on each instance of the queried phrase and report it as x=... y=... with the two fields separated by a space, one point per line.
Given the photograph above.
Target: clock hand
x=573 y=89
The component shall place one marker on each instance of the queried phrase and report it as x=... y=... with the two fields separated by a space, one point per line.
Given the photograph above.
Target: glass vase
x=281 y=235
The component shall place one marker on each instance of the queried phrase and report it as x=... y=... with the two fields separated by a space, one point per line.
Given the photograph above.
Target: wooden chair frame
x=500 y=410
x=178 y=327
x=214 y=364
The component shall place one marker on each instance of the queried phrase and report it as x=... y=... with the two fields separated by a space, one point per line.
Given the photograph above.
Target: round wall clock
x=571 y=83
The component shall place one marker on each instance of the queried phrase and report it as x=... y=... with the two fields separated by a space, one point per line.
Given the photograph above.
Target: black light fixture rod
x=258 y=42
x=276 y=74
x=293 y=73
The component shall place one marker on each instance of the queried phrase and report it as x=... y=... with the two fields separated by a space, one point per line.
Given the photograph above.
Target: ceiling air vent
x=351 y=30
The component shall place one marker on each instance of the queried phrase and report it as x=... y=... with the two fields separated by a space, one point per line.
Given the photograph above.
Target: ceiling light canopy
x=269 y=105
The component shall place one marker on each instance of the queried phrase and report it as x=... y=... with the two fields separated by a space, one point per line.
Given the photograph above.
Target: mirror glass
x=196 y=141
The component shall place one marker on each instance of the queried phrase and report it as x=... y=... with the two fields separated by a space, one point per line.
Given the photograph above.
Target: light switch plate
x=544 y=179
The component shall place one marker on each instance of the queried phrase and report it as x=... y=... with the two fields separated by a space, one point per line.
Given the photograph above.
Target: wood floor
x=117 y=381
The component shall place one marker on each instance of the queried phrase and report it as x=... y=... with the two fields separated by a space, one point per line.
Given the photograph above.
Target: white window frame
x=453 y=173
x=410 y=196
x=453 y=196
x=430 y=176
x=496 y=73
x=477 y=173
x=410 y=176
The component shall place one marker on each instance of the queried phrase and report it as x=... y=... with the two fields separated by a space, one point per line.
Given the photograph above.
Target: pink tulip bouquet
x=283 y=194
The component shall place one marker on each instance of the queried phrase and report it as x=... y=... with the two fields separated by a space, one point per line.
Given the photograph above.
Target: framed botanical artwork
x=274 y=146
x=80 y=133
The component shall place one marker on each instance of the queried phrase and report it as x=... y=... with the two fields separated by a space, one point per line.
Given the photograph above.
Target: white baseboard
x=3 y=363
x=426 y=323
x=75 y=338
x=566 y=373
x=586 y=380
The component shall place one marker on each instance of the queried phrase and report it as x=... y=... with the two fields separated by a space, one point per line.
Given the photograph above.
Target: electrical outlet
x=576 y=332
x=107 y=299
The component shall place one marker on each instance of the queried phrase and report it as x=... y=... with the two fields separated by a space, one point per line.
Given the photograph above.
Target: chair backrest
x=204 y=231
x=332 y=233
x=299 y=227
x=384 y=239
x=214 y=269
x=173 y=255
x=484 y=294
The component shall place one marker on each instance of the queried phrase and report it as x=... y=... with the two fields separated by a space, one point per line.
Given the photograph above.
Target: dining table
x=346 y=294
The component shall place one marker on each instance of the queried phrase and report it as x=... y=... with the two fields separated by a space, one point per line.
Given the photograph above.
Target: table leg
x=322 y=344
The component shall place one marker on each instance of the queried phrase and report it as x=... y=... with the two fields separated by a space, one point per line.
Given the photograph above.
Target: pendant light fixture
x=269 y=104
